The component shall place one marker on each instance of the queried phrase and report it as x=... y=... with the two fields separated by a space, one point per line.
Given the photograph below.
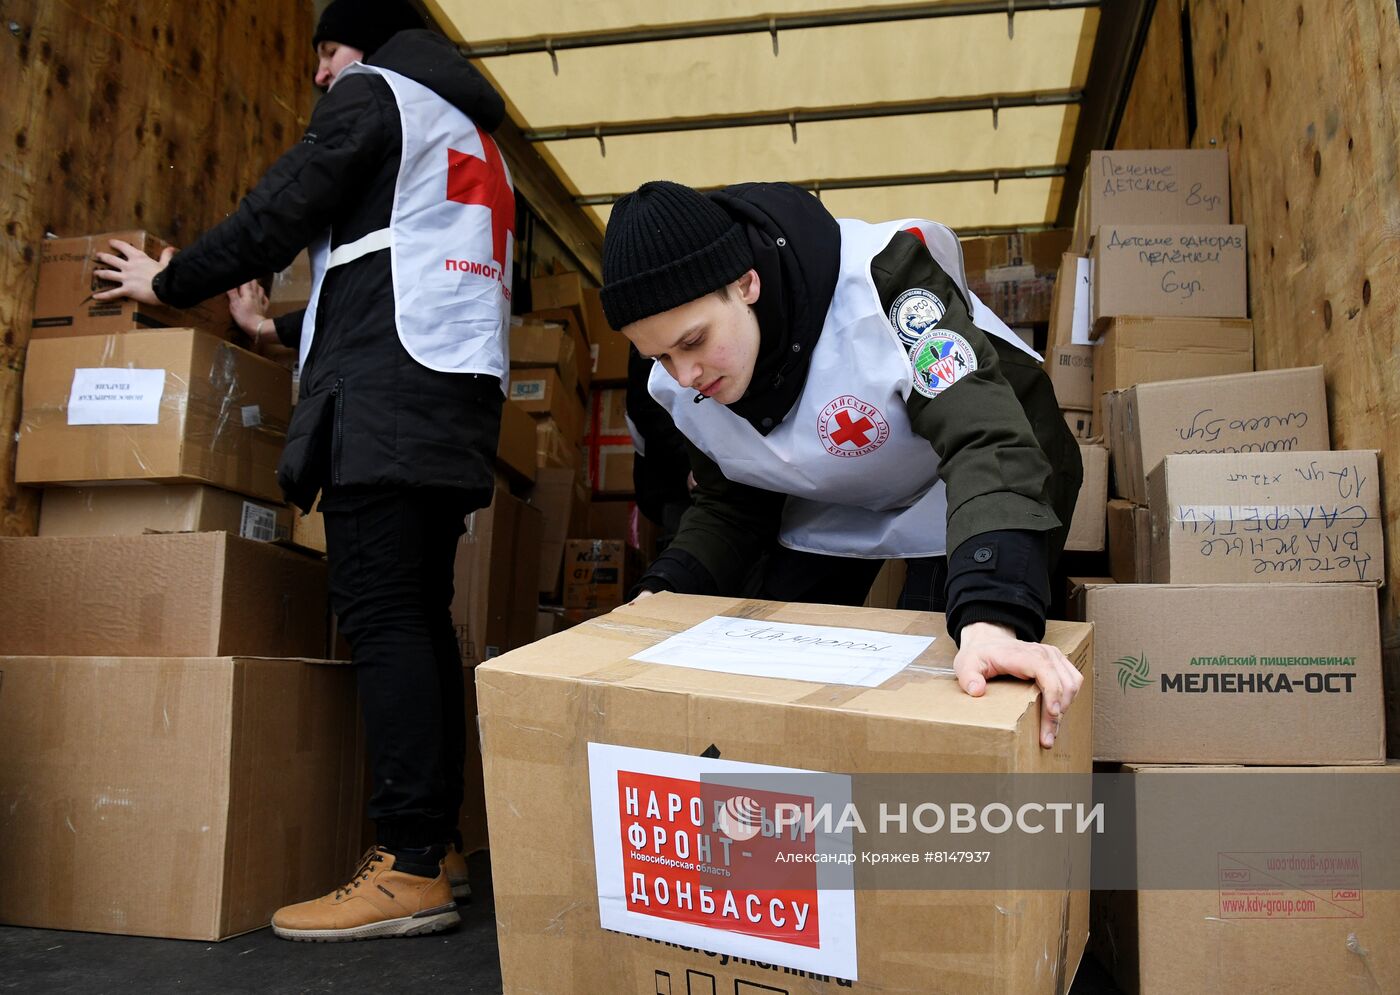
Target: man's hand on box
x=132 y=272
x=990 y=650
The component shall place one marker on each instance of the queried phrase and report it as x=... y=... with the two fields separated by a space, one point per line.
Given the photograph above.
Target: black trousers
x=391 y=553
x=816 y=578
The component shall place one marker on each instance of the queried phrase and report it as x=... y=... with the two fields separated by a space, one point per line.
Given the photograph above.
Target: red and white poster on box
x=721 y=855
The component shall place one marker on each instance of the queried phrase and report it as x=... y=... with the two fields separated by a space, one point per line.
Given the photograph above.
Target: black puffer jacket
x=369 y=413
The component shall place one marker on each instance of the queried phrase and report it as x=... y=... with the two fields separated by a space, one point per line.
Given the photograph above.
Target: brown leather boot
x=378 y=902
x=454 y=865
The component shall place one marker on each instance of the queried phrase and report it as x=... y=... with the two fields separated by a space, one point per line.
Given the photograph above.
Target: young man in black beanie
x=847 y=399
x=402 y=197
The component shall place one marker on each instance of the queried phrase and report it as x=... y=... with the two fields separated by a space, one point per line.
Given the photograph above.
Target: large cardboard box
x=1267 y=517
x=1255 y=932
x=553 y=448
x=1071 y=370
x=309 y=532
x=561 y=495
x=1237 y=673
x=1131 y=351
x=550 y=707
x=63 y=303
x=1195 y=271
x=1129 y=542
x=177 y=406
x=515 y=448
x=598 y=572
x=241 y=781
x=546 y=345
x=609 y=347
x=1080 y=422
x=181 y=594
x=1157 y=187
x=572 y=320
x=1272 y=411
x=562 y=290
x=608 y=448
x=1086 y=530
x=496 y=578
x=542 y=394
x=116 y=511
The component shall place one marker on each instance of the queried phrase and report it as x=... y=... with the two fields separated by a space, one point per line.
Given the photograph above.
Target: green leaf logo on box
x=1133 y=672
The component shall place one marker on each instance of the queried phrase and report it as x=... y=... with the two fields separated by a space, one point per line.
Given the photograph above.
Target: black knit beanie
x=667 y=245
x=364 y=24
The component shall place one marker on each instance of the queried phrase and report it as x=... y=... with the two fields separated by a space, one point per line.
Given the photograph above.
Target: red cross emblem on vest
x=474 y=180
x=850 y=427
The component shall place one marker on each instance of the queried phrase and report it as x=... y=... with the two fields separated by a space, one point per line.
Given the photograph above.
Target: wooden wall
x=1304 y=97
x=156 y=114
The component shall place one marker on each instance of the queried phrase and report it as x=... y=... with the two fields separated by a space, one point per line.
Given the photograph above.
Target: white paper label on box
x=1083 y=294
x=817 y=653
x=258 y=523
x=252 y=415
x=115 y=397
x=687 y=851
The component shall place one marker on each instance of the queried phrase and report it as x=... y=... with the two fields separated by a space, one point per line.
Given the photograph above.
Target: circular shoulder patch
x=915 y=312
x=941 y=358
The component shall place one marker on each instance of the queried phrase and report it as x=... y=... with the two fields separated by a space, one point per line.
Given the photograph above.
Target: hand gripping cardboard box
x=185 y=797
x=1320 y=915
x=571 y=722
x=63 y=303
x=174 y=406
x=1267 y=517
x=187 y=594
x=1265 y=412
x=1237 y=673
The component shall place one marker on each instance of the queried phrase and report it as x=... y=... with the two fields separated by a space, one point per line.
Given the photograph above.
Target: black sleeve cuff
x=678 y=571
x=1000 y=577
x=288 y=328
x=158 y=284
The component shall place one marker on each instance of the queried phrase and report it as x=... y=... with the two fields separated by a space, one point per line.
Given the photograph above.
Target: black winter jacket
x=369 y=414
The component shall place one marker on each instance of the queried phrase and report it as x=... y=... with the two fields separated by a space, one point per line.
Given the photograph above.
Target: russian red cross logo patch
x=849 y=427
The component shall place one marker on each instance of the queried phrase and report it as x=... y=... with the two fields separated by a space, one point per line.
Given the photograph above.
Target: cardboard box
x=309 y=532
x=182 y=594
x=1329 y=939
x=1086 y=530
x=1071 y=372
x=1070 y=302
x=1131 y=351
x=247 y=774
x=598 y=573
x=1189 y=673
x=609 y=347
x=1129 y=542
x=496 y=578
x=622 y=520
x=290 y=289
x=1272 y=411
x=1080 y=423
x=115 y=511
x=176 y=406
x=542 y=706
x=541 y=393
x=1075 y=590
x=562 y=290
x=1193 y=271
x=545 y=345
x=610 y=468
x=1039 y=252
x=561 y=495
x=1228 y=518
x=553 y=449
x=572 y=320
x=63 y=303
x=888 y=585
x=1157 y=187
x=515 y=450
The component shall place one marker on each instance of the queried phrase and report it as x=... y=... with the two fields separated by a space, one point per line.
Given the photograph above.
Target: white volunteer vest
x=451 y=292
x=860 y=481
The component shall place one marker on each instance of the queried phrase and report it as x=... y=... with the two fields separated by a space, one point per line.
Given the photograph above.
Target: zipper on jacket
x=339 y=392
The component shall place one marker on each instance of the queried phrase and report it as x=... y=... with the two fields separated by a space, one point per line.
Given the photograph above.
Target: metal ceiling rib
x=890 y=109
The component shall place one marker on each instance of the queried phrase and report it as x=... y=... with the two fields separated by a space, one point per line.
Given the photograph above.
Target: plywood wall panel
x=1155 y=115
x=143 y=113
x=1304 y=97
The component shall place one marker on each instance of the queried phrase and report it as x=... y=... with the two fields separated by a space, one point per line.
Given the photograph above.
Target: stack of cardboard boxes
x=162 y=653
x=1243 y=626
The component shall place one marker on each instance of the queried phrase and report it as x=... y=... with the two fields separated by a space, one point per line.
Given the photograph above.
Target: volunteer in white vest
x=847 y=399
x=402 y=197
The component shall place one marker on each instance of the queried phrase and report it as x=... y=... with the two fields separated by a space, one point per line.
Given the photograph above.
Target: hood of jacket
x=430 y=59
x=796 y=247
